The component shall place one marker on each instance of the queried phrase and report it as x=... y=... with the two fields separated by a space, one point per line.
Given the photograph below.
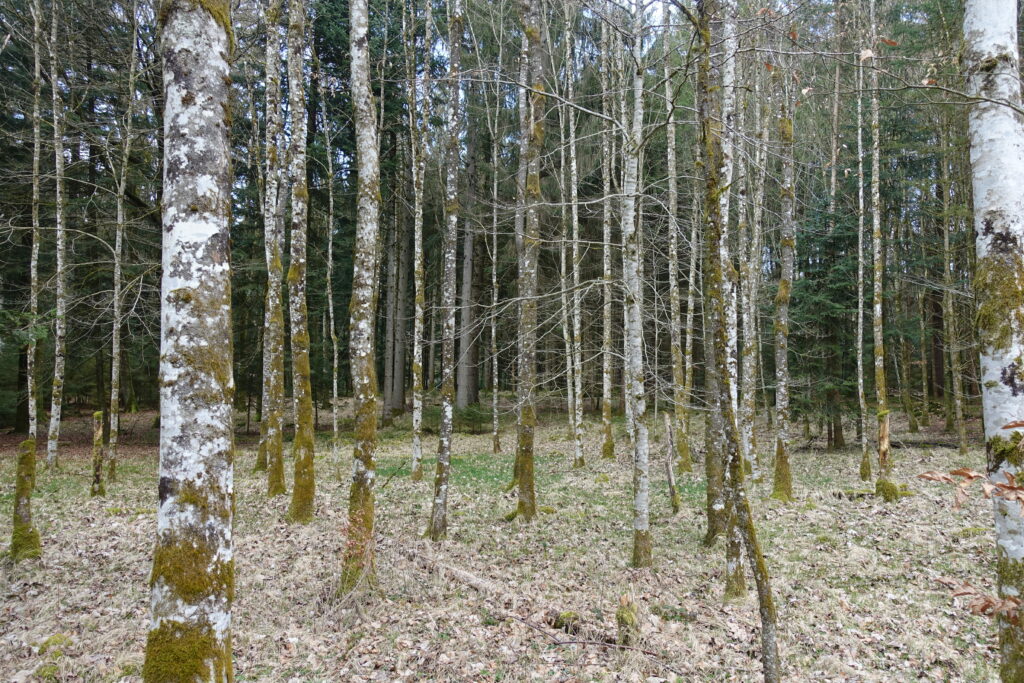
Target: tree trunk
x=678 y=425
x=881 y=398
x=862 y=404
x=270 y=454
x=193 y=566
x=419 y=99
x=991 y=65
x=715 y=296
x=533 y=134
x=608 y=440
x=782 y=485
x=438 y=526
x=634 y=303
x=60 y=317
x=37 y=143
x=301 y=508
x=358 y=562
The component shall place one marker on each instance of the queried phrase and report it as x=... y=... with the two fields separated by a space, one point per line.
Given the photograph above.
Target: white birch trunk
x=60 y=318
x=193 y=566
x=996 y=129
x=122 y=185
x=438 y=527
x=608 y=441
x=303 y=491
x=37 y=143
x=634 y=304
x=270 y=455
x=359 y=555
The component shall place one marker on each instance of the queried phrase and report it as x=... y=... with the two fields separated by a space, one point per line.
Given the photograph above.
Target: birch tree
x=438 y=526
x=119 y=237
x=532 y=131
x=301 y=507
x=680 y=437
x=270 y=455
x=782 y=484
x=60 y=317
x=192 y=581
x=608 y=440
x=882 y=484
x=359 y=553
x=996 y=131
x=37 y=143
x=634 y=300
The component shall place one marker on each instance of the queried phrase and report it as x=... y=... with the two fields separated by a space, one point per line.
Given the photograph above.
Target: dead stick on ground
x=487 y=587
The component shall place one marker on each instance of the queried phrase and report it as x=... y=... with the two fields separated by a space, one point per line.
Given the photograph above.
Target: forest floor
x=854 y=579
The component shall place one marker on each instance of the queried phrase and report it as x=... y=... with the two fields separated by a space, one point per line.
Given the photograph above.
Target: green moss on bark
x=642 y=549
x=178 y=653
x=627 y=618
x=24 y=536
x=782 y=484
x=97 y=488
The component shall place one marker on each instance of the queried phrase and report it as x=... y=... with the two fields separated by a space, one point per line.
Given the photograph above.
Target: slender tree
x=60 y=317
x=270 y=454
x=301 y=508
x=359 y=552
x=438 y=526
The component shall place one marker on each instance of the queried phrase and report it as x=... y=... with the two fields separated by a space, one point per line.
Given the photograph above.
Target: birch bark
x=996 y=131
x=192 y=580
x=359 y=551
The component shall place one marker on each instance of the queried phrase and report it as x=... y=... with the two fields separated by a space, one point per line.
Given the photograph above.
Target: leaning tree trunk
x=301 y=507
x=359 y=551
x=996 y=129
x=634 y=307
x=438 y=526
x=270 y=455
x=193 y=566
x=60 y=316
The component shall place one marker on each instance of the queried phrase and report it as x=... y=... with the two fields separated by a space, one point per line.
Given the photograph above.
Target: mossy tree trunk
x=438 y=525
x=193 y=565
x=782 y=483
x=24 y=535
x=996 y=130
x=359 y=551
x=270 y=455
x=97 y=488
x=533 y=133
x=878 y=264
x=715 y=300
x=301 y=508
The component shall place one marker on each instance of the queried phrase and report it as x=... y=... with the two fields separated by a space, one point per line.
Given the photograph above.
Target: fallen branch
x=489 y=588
